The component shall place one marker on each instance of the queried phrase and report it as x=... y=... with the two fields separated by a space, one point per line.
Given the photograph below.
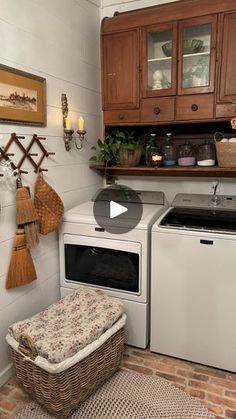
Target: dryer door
x=112 y=264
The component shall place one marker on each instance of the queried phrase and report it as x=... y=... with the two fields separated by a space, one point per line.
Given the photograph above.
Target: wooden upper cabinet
x=197 y=55
x=159 y=55
x=170 y=62
x=227 y=71
x=183 y=51
x=120 y=61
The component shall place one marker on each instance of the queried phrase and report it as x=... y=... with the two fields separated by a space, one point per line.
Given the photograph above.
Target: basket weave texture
x=226 y=154
x=62 y=392
x=48 y=205
x=129 y=157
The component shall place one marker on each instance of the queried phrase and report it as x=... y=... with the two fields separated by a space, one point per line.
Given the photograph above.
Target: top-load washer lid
x=202 y=213
x=154 y=203
x=200 y=220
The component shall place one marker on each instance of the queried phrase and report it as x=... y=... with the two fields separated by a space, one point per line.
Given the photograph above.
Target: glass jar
x=186 y=156
x=154 y=157
x=206 y=154
x=168 y=151
x=150 y=144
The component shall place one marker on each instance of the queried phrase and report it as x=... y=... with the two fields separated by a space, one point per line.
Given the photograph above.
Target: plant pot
x=129 y=157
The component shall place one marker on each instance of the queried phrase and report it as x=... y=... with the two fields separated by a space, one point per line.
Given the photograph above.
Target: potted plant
x=119 y=148
x=130 y=149
x=106 y=152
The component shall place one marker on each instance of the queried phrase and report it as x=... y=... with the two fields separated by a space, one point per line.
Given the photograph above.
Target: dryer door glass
x=102 y=267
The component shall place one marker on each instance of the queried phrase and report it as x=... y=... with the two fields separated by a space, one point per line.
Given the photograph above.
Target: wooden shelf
x=194 y=171
x=196 y=54
x=153 y=60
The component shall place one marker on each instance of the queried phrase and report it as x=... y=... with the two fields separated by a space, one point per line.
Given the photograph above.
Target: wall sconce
x=67 y=126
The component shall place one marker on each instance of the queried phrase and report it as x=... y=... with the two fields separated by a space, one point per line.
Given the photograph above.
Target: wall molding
x=6 y=374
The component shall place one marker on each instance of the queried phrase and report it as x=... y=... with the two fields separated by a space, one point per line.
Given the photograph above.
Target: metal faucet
x=215 y=200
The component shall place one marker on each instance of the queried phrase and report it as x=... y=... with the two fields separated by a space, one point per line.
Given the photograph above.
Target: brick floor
x=215 y=388
x=12 y=399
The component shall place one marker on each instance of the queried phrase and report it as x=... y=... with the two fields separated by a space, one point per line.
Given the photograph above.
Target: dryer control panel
x=127 y=195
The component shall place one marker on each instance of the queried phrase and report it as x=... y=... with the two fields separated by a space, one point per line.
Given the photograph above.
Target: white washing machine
x=193 y=281
x=117 y=263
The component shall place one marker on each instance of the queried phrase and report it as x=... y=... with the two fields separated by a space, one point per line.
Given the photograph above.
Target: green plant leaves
x=93 y=158
x=100 y=143
x=108 y=151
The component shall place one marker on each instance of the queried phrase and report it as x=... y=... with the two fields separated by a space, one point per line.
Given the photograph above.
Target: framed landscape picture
x=22 y=97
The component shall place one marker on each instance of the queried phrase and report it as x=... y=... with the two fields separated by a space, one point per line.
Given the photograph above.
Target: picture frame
x=22 y=97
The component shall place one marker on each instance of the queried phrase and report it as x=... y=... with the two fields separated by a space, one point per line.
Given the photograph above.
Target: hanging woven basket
x=49 y=206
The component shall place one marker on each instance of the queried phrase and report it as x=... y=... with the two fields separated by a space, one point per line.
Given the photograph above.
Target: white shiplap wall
x=169 y=185
x=58 y=40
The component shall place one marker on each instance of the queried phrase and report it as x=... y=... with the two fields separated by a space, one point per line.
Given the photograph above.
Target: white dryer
x=193 y=284
x=117 y=263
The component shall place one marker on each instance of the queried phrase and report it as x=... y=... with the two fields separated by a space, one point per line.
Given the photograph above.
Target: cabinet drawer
x=225 y=110
x=157 y=110
x=120 y=117
x=194 y=107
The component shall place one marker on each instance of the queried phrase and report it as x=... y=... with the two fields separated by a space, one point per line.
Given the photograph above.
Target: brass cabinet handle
x=121 y=116
x=156 y=110
x=194 y=107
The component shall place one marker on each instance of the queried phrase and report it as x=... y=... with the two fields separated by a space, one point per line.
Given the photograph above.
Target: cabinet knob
x=194 y=107
x=156 y=110
x=121 y=116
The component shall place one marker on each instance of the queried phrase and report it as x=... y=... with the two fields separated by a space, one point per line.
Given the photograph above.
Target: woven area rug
x=129 y=395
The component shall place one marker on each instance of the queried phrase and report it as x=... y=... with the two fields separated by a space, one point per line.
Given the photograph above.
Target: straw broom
x=21 y=270
x=26 y=214
x=25 y=210
x=32 y=234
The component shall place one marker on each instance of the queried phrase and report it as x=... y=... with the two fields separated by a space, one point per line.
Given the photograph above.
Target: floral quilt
x=67 y=326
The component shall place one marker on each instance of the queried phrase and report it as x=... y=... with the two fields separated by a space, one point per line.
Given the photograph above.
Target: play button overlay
x=117 y=209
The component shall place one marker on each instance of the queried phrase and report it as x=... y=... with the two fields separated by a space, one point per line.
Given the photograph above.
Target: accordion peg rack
x=27 y=154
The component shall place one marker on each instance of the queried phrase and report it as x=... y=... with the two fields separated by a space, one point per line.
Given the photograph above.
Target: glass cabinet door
x=197 y=55
x=159 y=60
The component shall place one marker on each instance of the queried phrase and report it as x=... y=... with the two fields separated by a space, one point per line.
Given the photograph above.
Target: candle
x=68 y=123
x=156 y=157
x=81 y=123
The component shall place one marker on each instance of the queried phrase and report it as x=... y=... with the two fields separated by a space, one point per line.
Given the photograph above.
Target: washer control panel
x=221 y=202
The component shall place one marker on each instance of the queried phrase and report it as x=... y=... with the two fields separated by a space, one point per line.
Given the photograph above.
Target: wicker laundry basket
x=61 y=366
x=62 y=392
